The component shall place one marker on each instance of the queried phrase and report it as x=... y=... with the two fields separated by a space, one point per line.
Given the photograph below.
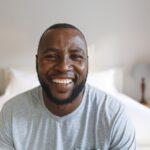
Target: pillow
x=4 y=80
x=109 y=80
x=19 y=81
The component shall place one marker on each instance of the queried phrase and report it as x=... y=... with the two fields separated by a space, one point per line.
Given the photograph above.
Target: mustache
x=68 y=74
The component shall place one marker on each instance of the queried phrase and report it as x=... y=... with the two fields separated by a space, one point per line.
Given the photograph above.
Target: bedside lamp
x=141 y=72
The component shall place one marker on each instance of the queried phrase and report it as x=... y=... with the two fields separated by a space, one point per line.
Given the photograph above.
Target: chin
x=60 y=98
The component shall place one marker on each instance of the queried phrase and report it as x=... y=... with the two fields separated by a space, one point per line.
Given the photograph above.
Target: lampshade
x=141 y=71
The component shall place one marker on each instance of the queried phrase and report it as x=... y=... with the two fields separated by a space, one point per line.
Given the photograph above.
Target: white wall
x=117 y=31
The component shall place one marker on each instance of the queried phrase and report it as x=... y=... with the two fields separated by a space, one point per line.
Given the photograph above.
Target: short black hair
x=62 y=25
x=59 y=26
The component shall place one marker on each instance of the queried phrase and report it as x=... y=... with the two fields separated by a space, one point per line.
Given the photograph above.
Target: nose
x=64 y=65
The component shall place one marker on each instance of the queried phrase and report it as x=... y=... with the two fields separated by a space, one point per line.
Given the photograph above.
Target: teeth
x=62 y=81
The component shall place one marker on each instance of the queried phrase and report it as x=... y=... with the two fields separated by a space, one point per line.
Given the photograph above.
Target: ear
x=36 y=57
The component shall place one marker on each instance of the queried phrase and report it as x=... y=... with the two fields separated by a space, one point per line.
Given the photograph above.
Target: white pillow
x=5 y=77
x=20 y=81
x=15 y=81
x=109 y=80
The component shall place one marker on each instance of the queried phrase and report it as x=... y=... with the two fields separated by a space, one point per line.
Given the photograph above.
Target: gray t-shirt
x=99 y=123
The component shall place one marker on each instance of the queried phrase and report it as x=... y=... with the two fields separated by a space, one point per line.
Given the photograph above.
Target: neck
x=62 y=110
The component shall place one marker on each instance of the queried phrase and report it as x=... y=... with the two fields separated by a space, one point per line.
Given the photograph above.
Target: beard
x=75 y=92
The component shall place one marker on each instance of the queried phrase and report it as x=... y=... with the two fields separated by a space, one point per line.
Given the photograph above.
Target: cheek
x=44 y=67
x=82 y=69
x=42 y=71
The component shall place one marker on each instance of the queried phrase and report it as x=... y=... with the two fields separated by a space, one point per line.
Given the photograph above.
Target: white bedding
x=17 y=81
x=140 y=116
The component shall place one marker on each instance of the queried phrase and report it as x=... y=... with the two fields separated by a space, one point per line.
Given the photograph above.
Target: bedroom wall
x=117 y=31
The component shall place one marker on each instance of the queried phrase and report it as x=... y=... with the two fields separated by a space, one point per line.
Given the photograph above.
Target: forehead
x=63 y=38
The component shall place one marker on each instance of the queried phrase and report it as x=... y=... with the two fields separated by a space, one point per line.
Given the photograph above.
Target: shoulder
x=104 y=101
x=112 y=117
x=106 y=107
x=23 y=101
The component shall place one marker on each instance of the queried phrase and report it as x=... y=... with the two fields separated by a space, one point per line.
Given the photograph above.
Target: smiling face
x=62 y=64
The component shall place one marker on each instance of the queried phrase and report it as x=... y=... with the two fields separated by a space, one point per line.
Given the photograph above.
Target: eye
x=76 y=57
x=51 y=57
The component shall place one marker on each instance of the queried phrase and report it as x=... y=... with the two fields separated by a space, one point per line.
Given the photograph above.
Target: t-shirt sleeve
x=6 y=142
x=122 y=132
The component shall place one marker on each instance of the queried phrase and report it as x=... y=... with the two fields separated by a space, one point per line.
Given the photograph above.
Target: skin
x=62 y=54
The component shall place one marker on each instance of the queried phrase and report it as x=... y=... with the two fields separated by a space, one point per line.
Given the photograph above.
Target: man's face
x=62 y=64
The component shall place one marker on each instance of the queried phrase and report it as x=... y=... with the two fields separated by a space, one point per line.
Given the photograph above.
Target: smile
x=62 y=81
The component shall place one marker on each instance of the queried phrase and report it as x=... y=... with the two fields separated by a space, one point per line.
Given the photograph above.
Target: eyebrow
x=77 y=50
x=49 y=49
x=52 y=49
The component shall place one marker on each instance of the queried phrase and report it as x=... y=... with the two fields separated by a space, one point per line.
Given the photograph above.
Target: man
x=64 y=113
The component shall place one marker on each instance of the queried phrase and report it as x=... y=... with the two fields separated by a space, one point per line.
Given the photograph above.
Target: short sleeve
x=6 y=142
x=122 y=135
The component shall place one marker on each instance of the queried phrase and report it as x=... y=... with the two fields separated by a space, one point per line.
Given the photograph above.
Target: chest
x=43 y=132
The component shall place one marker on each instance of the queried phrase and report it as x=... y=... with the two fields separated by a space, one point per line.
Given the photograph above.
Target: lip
x=61 y=87
x=61 y=78
x=67 y=75
x=62 y=82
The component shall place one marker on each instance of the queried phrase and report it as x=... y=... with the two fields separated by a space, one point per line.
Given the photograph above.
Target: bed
x=16 y=81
